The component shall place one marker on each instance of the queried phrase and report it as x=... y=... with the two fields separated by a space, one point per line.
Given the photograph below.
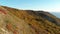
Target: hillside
x=15 y=21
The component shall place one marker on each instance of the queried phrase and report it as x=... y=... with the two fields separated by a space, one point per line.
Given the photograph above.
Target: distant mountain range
x=15 y=21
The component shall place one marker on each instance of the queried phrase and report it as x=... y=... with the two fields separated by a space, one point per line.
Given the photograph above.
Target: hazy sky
x=46 y=5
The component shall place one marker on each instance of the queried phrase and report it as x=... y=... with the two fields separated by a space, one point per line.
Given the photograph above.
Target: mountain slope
x=14 y=21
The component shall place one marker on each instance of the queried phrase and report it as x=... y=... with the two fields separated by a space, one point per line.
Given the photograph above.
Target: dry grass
x=21 y=22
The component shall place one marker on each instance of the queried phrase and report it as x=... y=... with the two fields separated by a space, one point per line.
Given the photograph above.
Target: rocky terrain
x=15 y=21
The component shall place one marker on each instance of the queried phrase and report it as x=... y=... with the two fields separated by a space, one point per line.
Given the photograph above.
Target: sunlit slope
x=28 y=22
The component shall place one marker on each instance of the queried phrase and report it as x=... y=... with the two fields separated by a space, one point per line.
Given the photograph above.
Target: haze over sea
x=57 y=14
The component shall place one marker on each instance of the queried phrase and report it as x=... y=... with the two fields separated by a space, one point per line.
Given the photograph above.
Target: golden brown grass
x=36 y=24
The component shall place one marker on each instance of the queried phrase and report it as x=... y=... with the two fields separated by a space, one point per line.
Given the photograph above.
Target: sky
x=45 y=5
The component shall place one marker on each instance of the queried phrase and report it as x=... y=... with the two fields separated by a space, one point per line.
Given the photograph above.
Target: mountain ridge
x=29 y=22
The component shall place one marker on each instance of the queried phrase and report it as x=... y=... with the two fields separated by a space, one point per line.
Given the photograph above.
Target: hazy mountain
x=15 y=21
x=56 y=14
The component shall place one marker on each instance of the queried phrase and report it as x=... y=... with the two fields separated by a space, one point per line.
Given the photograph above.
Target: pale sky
x=45 y=5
